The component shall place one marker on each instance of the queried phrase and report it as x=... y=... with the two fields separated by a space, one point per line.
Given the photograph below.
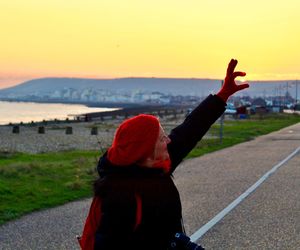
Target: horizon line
x=137 y=77
x=155 y=77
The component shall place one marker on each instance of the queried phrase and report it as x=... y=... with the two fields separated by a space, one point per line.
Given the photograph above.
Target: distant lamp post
x=296 y=97
x=221 y=123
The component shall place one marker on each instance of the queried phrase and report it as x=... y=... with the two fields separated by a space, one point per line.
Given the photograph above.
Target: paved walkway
x=267 y=219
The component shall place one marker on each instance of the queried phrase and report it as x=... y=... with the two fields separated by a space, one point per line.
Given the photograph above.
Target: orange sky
x=114 y=38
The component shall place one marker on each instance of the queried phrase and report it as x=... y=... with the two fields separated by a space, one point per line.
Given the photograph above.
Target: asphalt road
x=269 y=218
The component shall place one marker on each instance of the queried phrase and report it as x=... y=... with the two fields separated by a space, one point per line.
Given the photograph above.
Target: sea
x=16 y=112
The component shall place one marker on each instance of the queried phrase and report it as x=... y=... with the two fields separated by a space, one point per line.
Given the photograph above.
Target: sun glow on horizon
x=114 y=39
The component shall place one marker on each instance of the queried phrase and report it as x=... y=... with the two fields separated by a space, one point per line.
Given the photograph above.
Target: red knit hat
x=134 y=140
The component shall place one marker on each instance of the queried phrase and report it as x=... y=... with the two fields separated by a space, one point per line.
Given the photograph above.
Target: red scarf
x=87 y=240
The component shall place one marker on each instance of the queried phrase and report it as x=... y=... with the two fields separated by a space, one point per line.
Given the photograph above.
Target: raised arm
x=185 y=136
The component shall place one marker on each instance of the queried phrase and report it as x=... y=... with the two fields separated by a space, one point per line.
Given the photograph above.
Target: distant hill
x=173 y=86
x=130 y=89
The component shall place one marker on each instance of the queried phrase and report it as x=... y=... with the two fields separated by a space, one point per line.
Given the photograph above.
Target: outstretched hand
x=230 y=87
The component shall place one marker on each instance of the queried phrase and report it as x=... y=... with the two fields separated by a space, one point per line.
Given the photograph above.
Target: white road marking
x=200 y=232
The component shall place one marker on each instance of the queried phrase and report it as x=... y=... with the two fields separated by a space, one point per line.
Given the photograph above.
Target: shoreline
x=124 y=110
x=87 y=104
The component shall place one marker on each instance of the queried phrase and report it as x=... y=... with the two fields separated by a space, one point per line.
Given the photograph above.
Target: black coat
x=118 y=188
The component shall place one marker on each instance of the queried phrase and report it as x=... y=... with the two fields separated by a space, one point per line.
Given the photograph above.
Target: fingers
x=242 y=86
x=229 y=85
x=238 y=73
x=231 y=66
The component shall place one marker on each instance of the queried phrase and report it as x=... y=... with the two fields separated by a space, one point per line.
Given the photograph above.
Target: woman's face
x=161 y=150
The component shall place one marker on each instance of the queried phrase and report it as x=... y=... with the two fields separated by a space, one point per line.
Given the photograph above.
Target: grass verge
x=32 y=182
x=237 y=131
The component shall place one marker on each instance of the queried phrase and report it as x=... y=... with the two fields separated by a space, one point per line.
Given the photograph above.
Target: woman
x=136 y=204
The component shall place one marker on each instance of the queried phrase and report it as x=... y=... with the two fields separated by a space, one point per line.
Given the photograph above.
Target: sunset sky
x=139 y=38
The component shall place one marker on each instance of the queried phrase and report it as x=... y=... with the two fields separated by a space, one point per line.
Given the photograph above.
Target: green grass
x=32 y=182
x=237 y=131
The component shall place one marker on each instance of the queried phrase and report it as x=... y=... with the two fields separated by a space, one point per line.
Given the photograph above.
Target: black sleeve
x=185 y=136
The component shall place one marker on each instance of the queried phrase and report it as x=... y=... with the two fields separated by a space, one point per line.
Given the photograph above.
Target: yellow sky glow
x=117 y=38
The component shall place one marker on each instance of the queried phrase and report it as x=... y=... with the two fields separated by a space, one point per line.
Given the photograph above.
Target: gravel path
x=268 y=219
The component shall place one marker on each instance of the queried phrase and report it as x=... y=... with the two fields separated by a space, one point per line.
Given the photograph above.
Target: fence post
x=69 y=130
x=174 y=113
x=94 y=131
x=41 y=130
x=16 y=129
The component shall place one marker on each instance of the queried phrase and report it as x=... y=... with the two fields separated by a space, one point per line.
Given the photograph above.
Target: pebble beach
x=55 y=139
